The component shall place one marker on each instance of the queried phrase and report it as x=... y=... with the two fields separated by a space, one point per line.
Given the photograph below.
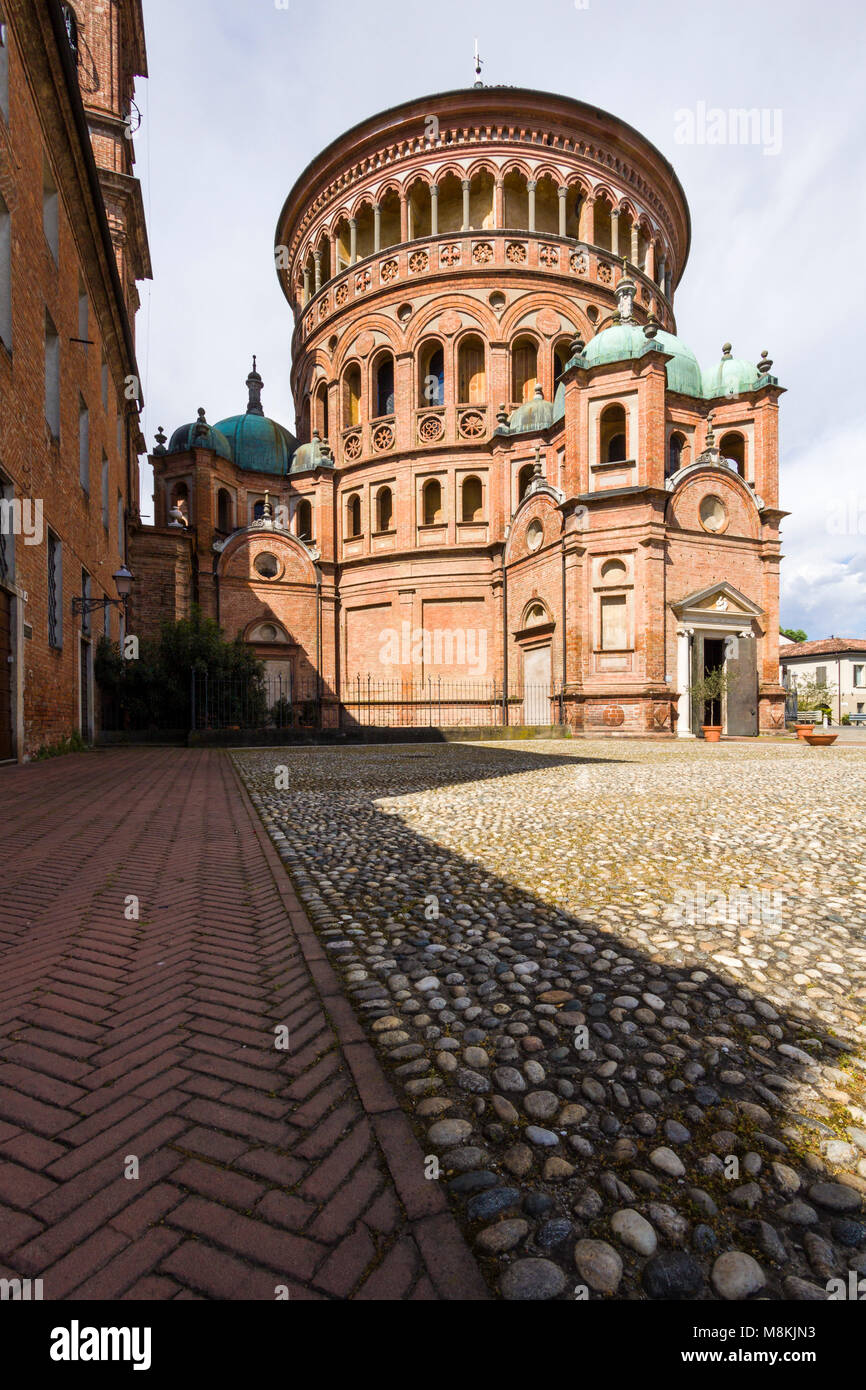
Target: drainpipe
x=839 y=687
x=564 y=638
x=504 y=641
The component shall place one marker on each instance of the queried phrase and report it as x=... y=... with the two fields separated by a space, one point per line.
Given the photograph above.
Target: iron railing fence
x=277 y=702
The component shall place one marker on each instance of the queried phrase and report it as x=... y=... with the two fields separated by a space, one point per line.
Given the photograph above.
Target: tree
x=814 y=694
x=154 y=691
x=709 y=690
x=795 y=634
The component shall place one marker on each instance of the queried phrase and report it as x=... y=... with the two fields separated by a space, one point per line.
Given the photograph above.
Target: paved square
x=621 y=987
x=155 y=1143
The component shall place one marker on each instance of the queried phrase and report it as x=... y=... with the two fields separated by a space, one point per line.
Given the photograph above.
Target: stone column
x=353 y=240
x=317 y=258
x=306 y=285
x=661 y=275
x=563 y=210
x=530 y=188
x=498 y=204
x=650 y=267
x=377 y=227
x=587 y=221
x=434 y=209
x=410 y=220
x=684 y=676
x=614 y=231
x=404 y=218
x=667 y=284
x=634 y=245
x=465 y=185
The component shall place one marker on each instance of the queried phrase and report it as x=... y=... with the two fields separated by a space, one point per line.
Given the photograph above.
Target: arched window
x=418 y=210
x=573 y=207
x=383 y=375
x=472 y=500
x=431 y=375
x=224 y=511
x=321 y=410
x=516 y=201
x=524 y=370
x=324 y=250
x=547 y=207
x=353 y=516
x=676 y=447
x=524 y=478
x=614 y=571
x=601 y=223
x=384 y=509
x=481 y=201
x=342 y=245
x=614 y=443
x=625 y=225
x=366 y=231
x=471 y=375
x=450 y=204
x=733 y=447
x=258 y=510
x=304 y=520
x=433 y=513
x=352 y=396
x=391 y=228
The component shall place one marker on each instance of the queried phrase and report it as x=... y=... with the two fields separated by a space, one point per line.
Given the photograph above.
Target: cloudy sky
x=244 y=93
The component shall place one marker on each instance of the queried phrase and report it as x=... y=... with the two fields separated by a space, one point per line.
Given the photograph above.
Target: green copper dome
x=199 y=435
x=624 y=341
x=731 y=376
x=312 y=455
x=259 y=445
x=536 y=414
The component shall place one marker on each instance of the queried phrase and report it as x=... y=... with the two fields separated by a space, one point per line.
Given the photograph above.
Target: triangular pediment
x=719 y=599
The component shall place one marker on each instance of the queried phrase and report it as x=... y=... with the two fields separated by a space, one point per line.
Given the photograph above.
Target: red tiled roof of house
x=828 y=646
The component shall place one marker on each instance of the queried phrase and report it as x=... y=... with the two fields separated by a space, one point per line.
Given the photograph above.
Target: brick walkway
x=155 y=1039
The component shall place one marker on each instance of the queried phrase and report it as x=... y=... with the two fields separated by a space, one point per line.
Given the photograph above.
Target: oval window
x=534 y=535
x=267 y=566
x=713 y=514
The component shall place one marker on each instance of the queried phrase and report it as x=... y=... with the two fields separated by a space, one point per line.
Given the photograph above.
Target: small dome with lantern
x=258 y=445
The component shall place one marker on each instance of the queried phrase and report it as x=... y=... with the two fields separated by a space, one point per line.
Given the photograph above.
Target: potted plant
x=812 y=695
x=707 y=694
x=819 y=738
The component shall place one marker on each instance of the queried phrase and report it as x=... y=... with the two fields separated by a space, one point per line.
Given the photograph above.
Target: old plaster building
x=509 y=468
x=72 y=246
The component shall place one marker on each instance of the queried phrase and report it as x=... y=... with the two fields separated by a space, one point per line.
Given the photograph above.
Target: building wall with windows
x=69 y=388
x=838 y=663
x=510 y=467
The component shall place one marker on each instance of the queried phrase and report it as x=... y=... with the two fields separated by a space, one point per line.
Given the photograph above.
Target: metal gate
x=7 y=744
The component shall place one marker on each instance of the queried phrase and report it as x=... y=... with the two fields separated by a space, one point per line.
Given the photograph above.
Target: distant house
x=840 y=661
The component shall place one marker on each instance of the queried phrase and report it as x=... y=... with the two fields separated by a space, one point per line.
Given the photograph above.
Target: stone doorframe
x=718 y=611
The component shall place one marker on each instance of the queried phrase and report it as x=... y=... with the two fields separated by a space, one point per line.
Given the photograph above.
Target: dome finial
x=479 y=63
x=254 y=385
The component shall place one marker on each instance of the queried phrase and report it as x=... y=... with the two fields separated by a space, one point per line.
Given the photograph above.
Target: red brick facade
x=502 y=498
x=69 y=389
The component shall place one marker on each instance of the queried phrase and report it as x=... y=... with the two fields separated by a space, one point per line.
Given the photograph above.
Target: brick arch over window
x=433 y=510
x=472 y=499
x=431 y=373
x=614 y=433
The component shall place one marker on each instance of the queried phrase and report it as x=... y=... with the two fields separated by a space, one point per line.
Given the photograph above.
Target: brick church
x=509 y=472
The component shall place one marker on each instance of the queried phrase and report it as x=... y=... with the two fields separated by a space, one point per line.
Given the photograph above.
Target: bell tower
x=107 y=37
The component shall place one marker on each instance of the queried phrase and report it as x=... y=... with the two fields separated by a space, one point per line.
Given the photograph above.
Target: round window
x=534 y=534
x=713 y=514
x=267 y=566
x=267 y=633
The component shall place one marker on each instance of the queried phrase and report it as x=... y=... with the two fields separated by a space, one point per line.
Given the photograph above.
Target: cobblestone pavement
x=621 y=987
x=263 y=1171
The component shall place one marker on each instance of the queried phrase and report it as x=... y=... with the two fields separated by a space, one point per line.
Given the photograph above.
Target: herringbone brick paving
x=153 y=1040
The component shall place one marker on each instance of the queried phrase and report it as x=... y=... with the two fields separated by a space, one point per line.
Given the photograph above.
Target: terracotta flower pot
x=803 y=729
x=712 y=732
x=821 y=740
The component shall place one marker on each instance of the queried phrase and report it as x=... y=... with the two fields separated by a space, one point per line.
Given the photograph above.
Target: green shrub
x=71 y=743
